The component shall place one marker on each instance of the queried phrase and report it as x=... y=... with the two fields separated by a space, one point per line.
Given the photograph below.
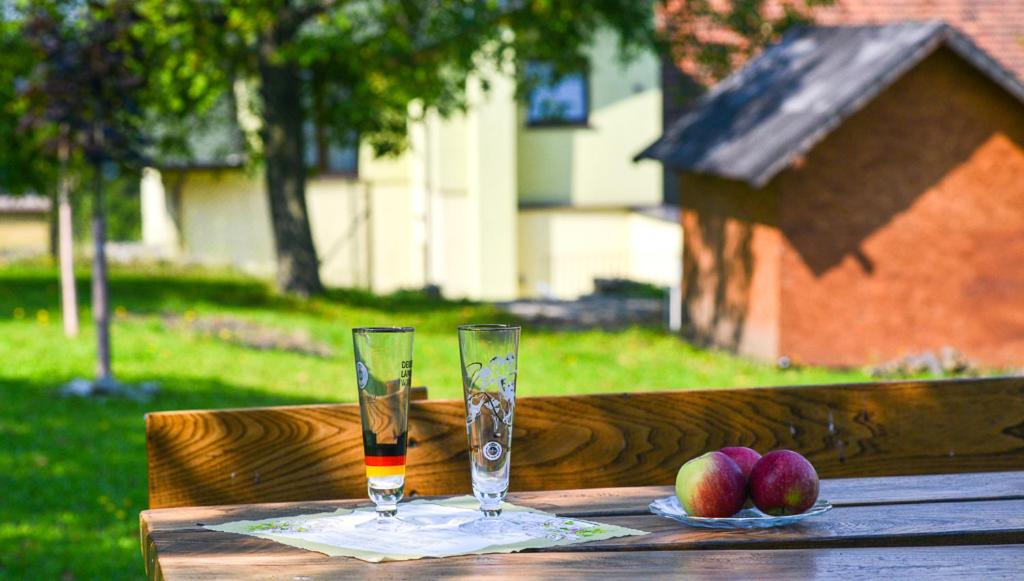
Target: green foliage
x=84 y=91
x=23 y=162
x=715 y=36
x=363 y=63
x=123 y=206
x=72 y=82
x=73 y=472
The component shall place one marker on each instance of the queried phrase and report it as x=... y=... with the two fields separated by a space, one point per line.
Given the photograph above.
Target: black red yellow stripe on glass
x=385 y=465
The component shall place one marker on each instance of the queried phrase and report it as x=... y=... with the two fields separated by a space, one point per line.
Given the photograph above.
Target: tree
x=81 y=101
x=29 y=162
x=712 y=38
x=353 y=68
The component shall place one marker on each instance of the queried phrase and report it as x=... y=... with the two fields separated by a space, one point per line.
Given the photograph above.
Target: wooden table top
x=965 y=525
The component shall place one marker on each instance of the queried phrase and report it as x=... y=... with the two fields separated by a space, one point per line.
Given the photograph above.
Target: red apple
x=783 y=482
x=744 y=457
x=711 y=485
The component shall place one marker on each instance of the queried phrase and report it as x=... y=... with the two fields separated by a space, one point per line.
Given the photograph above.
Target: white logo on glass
x=362 y=375
x=498 y=375
x=492 y=450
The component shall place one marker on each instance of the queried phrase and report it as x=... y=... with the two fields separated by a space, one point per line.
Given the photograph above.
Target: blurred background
x=199 y=200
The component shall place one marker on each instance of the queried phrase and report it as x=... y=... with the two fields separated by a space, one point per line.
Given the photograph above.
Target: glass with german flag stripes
x=384 y=376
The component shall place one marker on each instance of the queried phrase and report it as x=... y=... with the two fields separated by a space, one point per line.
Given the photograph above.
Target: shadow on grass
x=403 y=301
x=33 y=288
x=73 y=472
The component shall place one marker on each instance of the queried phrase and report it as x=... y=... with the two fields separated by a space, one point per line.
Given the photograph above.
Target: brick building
x=854 y=194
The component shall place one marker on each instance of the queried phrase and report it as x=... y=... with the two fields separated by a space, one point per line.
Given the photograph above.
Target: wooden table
x=955 y=526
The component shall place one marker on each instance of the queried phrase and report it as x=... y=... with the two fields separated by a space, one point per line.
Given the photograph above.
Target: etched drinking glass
x=384 y=376
x=489 y=365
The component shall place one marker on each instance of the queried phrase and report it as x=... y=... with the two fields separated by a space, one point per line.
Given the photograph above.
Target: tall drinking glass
x=384 y=375
x=489 y=365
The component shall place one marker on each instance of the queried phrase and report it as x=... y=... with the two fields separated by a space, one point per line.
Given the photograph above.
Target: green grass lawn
x=73 y=471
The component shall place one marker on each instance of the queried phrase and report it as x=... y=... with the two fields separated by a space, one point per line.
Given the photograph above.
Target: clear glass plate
x=748 y=518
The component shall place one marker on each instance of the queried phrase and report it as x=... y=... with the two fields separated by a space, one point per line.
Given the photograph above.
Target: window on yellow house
x=556 y=99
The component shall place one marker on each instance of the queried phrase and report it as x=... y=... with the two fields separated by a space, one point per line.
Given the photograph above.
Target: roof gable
x=754 y=123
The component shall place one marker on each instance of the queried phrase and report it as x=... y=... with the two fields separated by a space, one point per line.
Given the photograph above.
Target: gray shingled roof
x=750 y=126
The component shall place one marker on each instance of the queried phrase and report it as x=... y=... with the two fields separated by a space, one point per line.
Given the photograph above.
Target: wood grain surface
x=596 y=502
x=981 y=562
x=594 y=441
x=927 y=524
x=838 y=491
x=864 y=537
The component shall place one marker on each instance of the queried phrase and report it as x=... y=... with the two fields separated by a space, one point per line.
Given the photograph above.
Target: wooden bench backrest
x=315 y=452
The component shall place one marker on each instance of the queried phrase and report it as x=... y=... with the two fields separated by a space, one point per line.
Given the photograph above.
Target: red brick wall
x=731 y=247
x=904 y=229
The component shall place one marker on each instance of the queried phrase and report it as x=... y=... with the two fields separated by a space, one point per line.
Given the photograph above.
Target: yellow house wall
x=337 y=215
x=452 y=227
x=225 y=220
x=562 y=251
x=360 y=228
x=159 y=229
x=593 y=165
x=656 y=250
x=447 y=212
x=468 y=177
x=491 y=180
x=24 y=233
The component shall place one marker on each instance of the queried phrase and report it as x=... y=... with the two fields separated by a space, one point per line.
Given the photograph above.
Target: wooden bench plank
x=315 y=452
x=839 y=491
x=595 y=502
x=928 y=524
x=179 y=524
x=981 y=562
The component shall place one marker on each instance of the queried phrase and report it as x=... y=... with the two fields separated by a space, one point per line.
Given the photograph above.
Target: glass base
x=490 y=524
x=386 y=522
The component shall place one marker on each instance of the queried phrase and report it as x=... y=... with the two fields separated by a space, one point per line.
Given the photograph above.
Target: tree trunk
x=283 y=142
x=100 y=300
x=65 y=243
